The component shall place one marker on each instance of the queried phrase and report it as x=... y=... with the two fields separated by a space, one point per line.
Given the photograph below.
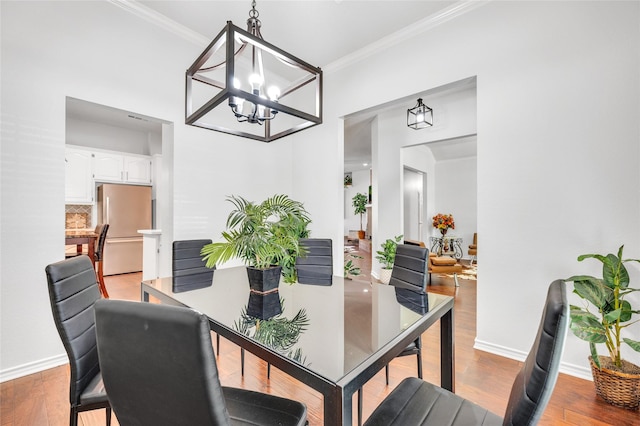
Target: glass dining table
x=331 y=338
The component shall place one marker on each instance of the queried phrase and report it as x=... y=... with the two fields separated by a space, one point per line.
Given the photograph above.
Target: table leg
x=447 y=352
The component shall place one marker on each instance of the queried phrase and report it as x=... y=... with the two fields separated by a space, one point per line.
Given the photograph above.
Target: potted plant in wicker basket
x=387 y=256
x=617 y=381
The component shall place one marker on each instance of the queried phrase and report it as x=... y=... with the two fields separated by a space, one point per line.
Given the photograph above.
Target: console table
x=447 y=246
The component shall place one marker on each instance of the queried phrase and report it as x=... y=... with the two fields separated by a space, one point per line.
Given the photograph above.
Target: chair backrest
x=188 y=269
x=316 y=266
x=158 y=364
x=73 y=291
x=101 y=230
x=410 y=268
x=534 y=383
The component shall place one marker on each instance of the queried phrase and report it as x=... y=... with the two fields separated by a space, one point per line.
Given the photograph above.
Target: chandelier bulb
x=274 y=93
x=256 y=80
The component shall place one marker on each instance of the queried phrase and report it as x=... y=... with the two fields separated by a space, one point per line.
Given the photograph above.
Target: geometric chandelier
x=245 y=86
x=420 y=116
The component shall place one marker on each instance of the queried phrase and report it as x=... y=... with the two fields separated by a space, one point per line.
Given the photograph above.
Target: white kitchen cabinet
x=78 y=188
x=113 y=167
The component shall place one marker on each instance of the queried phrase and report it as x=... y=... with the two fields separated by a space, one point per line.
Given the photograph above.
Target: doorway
x=413 y=200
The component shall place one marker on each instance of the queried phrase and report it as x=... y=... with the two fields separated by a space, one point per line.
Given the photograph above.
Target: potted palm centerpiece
x=265 y=236
x=387 y=257
x=617 y=381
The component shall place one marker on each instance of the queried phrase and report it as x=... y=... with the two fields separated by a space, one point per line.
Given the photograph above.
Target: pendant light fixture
x=245 y=86
x=420 y=116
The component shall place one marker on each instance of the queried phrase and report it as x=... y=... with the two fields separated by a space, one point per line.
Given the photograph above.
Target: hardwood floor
x=42 y=399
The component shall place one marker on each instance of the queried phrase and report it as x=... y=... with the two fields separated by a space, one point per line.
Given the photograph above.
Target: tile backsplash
x=77 y=216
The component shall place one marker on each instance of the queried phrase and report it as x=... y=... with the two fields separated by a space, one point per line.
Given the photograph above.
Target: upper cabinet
x=114 y=167
x=85 y=166
x=78 y=186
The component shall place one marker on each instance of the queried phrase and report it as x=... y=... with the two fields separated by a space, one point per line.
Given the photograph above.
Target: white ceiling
x=322 y=33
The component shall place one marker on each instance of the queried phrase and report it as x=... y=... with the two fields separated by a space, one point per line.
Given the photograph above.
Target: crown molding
x=410 y=31
x=150 y=15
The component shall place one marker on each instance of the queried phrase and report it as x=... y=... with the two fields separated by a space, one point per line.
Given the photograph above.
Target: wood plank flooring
x=41 y=399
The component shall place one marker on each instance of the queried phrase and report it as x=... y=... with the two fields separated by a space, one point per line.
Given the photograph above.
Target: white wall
x=113 y=138
x=51 y=50
x=558 y=147
x=456 y=194
x=557 y=114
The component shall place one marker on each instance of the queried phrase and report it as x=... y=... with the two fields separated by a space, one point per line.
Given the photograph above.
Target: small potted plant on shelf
x=617 y=381
x=360 y=207
x=265 y=236
x=387 y=257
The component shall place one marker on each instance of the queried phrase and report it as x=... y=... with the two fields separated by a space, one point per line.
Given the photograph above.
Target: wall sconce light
x=245 y=86
x=420 y=116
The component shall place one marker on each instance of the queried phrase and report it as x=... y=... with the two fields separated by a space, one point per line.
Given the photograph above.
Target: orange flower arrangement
x=443 y=222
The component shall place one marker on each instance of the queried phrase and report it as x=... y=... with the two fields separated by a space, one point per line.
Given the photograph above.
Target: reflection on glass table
x=352 y=329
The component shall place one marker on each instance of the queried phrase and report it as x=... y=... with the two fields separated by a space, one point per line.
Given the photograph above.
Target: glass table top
x=329 y=330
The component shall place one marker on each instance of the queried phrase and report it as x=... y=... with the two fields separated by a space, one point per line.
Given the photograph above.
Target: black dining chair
x=316 y=265
x=159 y=368
x=409 y=274
x=409 y=277
x=189 y=271
x=416 y=402
x=73 y=291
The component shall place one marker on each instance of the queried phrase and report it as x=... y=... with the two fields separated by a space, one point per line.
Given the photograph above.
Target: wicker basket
x=615 y=387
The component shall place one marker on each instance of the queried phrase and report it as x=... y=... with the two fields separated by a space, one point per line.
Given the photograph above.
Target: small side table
x=447 y=246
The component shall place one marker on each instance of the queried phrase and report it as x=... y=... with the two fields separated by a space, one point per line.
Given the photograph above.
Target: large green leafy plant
x=262 y=235
x=610 y=312
x=387 y=256
x=359 y=202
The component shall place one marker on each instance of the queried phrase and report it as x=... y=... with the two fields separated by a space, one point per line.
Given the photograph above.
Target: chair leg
x=386 y=373
x=360 y=407
x=242 y=361
x=108 y=416
x=73 y=418
x=429 y=282
x=100 y=275
x=268 y=371
x=217 y=344
x=419 y=355
x=455 y=278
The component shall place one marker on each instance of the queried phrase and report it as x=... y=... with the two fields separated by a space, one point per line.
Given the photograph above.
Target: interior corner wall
x=541 y=157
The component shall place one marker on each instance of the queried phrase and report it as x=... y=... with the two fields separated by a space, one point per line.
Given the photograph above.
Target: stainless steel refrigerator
x=126 y=208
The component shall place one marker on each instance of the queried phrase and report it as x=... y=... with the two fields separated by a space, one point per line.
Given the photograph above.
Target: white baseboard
x=566 y=368
x=32 y=367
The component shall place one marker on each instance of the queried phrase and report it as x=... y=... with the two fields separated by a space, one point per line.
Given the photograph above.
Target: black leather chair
x=188 y=269
x=409 y=277
x=316 y=266
x=73 y=291
x=159 y=369
x=415 y=402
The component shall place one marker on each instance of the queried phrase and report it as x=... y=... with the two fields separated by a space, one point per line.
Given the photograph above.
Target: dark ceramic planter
x=264 y=306
x=264 y=280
